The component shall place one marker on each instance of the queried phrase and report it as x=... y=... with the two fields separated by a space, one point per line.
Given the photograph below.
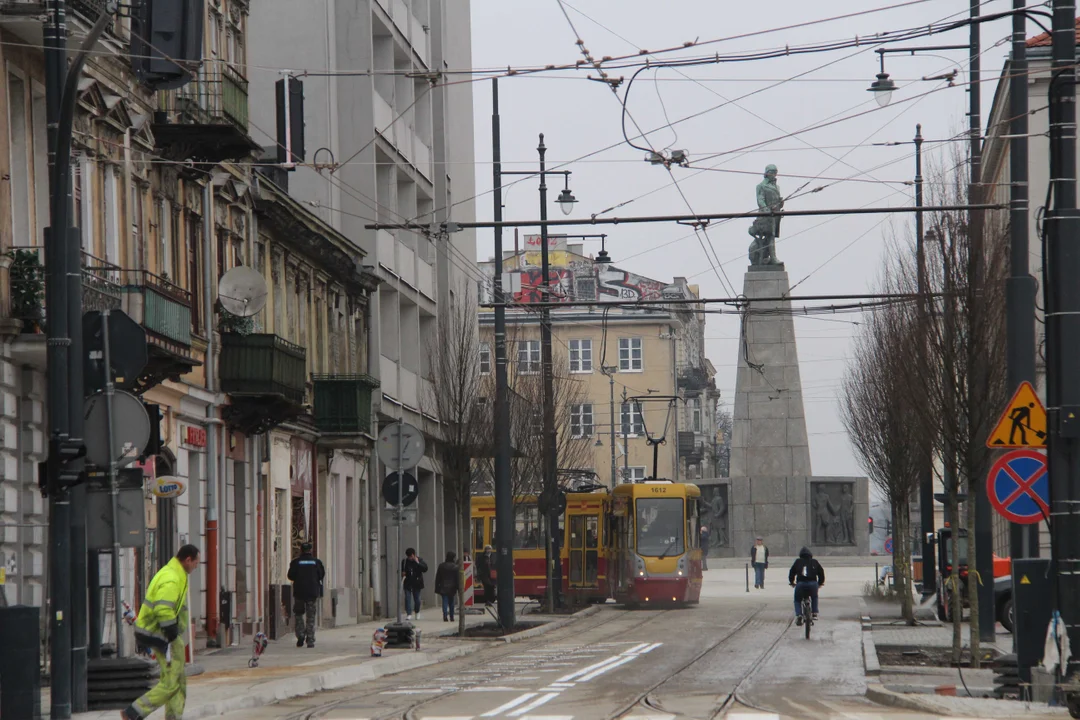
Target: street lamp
x=883 y=87
x=566 y=199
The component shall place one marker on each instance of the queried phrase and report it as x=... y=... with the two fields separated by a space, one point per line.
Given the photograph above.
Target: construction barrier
x=467 y=568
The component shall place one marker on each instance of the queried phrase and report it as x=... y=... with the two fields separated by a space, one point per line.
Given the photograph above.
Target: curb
x=882 y=696
x=871 y=664
x=282 y=689
x=531 y=632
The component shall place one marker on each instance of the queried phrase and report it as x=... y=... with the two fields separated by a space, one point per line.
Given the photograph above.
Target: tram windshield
x=660 y=527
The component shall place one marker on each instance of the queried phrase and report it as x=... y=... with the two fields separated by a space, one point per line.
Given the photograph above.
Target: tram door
x=584 y=547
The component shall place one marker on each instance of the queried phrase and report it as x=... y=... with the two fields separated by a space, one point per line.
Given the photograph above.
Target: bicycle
x=807 y=608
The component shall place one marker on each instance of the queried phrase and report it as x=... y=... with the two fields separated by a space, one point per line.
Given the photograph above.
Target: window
x=632 y=474
x=659 y=526
x=630 y=354
x=695 y=414
x=485 y=359
x=632 y=422
x=526 y=527
x=478 y=534
x=528 y=356
x=581 y=356
x=581 y=420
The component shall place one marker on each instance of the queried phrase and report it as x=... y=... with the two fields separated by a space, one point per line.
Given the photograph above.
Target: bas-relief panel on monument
x=832 y=513
x=714 y=514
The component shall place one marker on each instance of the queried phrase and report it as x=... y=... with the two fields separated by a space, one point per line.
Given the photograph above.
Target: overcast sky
x=736 y=105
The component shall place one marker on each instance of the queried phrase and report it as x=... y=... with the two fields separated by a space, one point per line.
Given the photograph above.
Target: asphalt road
x=736 y=655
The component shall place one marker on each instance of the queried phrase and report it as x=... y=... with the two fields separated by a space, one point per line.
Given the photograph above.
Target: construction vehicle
x=949 y=553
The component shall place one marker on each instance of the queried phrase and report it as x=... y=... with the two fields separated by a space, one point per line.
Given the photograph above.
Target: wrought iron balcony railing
x=217 y=95
x=101 y=284
x=343 y=403
x=263 y=365
x=162 y=308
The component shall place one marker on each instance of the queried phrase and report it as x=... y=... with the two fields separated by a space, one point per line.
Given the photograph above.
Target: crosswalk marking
x=521 y=699
x=533 y=705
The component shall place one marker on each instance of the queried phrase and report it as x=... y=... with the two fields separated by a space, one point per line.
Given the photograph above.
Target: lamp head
x=566 y=201
x=882 y=88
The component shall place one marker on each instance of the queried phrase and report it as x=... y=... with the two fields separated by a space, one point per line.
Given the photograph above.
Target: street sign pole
x=114 y=487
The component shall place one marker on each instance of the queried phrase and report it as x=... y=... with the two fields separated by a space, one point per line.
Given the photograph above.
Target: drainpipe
x=211 y=418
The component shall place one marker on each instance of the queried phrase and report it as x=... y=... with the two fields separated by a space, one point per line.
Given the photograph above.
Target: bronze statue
x=766 y=228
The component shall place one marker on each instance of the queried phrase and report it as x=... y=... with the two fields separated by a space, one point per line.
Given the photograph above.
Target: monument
x=771 y=490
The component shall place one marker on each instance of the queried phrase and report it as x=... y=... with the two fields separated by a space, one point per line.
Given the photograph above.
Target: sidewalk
x=341 y=658
x=912 y=687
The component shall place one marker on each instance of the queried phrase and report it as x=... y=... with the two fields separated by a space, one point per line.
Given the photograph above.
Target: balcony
x=101 y=286
x=693 y=379
x=343 y=404
x=266 y=376
x=164 y=311
x=206 y=120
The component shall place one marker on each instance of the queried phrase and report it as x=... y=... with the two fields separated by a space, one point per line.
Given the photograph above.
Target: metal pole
x=1062 y=303
x=611 y=385
x=747 y=577
x=1020 y=287
x=397 y=519
x=79 y=557
x=213 y=555
x=114 y=489
x=626 y=437
x=926 y=480
x=504 y=491
x=550 y=450
x=984 y=517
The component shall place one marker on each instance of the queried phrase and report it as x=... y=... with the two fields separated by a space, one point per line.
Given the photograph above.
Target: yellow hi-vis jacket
x=165 y=605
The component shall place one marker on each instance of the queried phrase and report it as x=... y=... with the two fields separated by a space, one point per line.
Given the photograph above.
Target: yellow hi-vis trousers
x=171 y=689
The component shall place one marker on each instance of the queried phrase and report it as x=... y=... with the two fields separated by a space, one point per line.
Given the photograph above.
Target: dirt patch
x=910 y=656
x=494 y=630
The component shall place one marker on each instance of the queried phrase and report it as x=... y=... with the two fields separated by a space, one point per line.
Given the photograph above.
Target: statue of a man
x=766 y=228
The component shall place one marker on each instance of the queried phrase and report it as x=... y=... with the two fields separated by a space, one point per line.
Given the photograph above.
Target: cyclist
x=806 y=576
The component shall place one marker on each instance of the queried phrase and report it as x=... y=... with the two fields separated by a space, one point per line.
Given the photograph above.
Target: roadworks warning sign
x=1023 y=424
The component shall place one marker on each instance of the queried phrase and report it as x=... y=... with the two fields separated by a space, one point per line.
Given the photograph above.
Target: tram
x=584 y=545
x=655 y=544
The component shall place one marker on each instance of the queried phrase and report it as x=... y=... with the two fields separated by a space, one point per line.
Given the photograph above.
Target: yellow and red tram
x=638 y=544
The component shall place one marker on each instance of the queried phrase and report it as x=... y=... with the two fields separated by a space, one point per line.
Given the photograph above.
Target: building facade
x=391 y=143
x=638 y=379
x=267 y=419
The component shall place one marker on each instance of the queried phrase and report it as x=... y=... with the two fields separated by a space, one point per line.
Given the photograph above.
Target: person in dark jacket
x=806 y=576
x=447 y=583
x=704 y=548
x=412 y=579
x=306 y=573
x=485 y=568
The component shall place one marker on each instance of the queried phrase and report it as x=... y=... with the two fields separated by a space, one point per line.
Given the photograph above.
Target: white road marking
x=644 y=650
x=651 y=717
x=636 y=648
x=442 y=717
x=497 y=688
x=413 y=692
x=754 y=716
x=524 y=698
x=548 y=717
x=601 y=671
x=589 y=669
x=533 y=705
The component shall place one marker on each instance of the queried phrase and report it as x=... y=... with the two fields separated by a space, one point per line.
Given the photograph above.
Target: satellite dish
x=242 y=291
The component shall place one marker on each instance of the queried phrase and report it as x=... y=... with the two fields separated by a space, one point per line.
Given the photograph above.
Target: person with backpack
x=447 y=583
x=413 y=568
x=806 y=576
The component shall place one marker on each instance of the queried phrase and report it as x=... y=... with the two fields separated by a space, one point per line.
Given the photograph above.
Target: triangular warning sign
x=1023 y=424
x=1024 y=580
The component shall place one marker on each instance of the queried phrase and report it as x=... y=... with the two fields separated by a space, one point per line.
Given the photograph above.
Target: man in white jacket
x=759 y=558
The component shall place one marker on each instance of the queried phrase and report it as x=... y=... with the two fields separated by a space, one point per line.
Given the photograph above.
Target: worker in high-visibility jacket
x=160 y=627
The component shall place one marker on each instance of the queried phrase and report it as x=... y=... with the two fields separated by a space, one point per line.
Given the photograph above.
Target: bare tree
x=960 y=366
x=879 y=412
x=455 y=419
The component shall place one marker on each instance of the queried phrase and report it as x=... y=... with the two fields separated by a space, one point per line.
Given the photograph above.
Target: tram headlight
x=639 y=566
x=682 y=566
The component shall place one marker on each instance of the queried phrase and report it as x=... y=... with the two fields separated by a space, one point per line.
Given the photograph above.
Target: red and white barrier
x=467 y=567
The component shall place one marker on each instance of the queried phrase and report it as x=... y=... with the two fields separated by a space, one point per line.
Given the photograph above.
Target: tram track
x=648 y=699
x=408 y=712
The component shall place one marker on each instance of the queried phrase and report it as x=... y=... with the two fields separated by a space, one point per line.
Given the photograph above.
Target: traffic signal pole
x=1062 y=305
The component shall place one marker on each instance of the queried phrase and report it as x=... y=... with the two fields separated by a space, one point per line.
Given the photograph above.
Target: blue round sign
x=888 y=545
x=1019 y=487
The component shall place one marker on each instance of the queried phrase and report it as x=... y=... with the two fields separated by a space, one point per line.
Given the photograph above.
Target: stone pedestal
x=771 y=491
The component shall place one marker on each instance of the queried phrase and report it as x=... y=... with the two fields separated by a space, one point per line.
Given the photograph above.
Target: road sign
x=888 y=546
x=127 y=350
x=408 y=493
x=408 y=455
x=1019 y=487
x=1023 y=424
x=407 y=516
x=130 y=432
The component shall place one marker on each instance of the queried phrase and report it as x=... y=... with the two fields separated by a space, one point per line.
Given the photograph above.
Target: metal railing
x=262 y=364
x=343 y=403
x=101 y=283
x=218 y=94
x=166 y=308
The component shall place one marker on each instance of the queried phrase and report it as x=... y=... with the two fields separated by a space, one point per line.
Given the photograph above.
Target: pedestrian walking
x=447 y=583
x=704 y=548
x=306 y=572
x=412 y=579
x=759 y=558
x=160 y=629
x=485 y=567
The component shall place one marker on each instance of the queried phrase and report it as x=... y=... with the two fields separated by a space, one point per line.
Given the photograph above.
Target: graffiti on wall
x=532 y=286
x=618 y=285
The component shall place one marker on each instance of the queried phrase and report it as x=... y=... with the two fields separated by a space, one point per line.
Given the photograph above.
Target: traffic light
x=166 y=41
x=871 y=525
x=64 y=469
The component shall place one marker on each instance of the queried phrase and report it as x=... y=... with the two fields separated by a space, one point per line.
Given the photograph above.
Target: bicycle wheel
x=808 y=617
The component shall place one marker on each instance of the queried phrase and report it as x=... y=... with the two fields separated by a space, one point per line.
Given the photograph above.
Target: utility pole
x=626 y=437
x=550 y=448
x=1020 y=287
x=983 y=530
x=504 y=491
x=609 y=370
x=926 y=477
x=1061 y=297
